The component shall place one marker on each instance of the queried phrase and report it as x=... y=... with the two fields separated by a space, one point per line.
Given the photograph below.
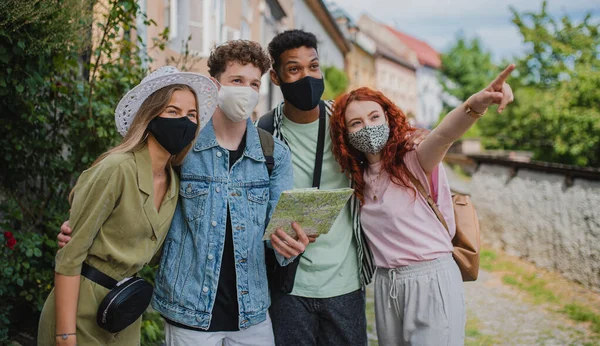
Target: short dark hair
x=242 y=51
x=290 y=39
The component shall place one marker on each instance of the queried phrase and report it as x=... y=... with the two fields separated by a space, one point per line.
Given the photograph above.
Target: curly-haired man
x=211 y=284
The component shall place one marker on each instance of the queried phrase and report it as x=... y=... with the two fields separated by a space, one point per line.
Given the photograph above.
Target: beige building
x=204 y=24
x=212 y=22
x=360 y=60
x=395 y=66
x=360 y=64
x=207 y=23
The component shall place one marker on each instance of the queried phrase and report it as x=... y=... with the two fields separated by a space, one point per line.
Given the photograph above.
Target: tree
x=336 y=82
x=557 y=92
x=557 y=88
x=467 y=68
x=57 y=96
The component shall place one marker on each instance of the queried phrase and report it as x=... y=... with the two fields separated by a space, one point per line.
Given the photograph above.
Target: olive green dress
x=117 y=230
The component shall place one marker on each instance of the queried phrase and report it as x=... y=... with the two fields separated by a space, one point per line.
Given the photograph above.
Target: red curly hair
x=355 y=162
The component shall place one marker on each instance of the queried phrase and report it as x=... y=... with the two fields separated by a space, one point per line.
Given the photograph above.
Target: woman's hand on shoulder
x=413 y=139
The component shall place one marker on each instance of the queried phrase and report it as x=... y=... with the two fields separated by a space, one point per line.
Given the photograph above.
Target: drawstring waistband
x=393 y=290
x=411 y=271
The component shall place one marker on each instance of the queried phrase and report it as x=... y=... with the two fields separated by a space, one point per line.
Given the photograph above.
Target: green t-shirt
x=329 y=266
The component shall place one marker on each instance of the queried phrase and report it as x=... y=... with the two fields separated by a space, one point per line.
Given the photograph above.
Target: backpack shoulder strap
x=267 y=121
x=268 y=147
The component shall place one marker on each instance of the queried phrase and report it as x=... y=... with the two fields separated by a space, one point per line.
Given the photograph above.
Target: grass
x=581 y=313
x=473 y=337
x=536 y=284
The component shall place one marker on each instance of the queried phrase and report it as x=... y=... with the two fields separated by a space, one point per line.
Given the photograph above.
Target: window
x=171 y=17
x=245 y=30
x=197 y=25
x=205 y=24
x=246 y=10
x=230 y=34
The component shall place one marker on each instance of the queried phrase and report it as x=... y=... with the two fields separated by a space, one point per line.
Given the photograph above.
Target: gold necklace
x=375 y=183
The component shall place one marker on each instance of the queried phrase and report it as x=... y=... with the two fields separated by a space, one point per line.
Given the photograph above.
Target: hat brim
x=206 y=92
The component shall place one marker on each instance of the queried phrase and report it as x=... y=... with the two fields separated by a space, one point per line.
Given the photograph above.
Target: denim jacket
x=186 y=283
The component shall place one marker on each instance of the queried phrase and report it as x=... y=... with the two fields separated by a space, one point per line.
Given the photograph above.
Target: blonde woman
x=122 y=206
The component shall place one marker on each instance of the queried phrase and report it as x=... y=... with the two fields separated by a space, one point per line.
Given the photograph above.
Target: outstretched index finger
x=503 y=75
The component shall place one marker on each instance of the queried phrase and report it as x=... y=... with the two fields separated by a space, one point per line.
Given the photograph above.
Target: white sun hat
x=204 y=87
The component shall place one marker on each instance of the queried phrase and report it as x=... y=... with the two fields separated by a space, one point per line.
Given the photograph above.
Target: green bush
x=336 y=82
x=57 y=99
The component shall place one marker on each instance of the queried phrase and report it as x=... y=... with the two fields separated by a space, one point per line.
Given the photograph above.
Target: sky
x=439 y=21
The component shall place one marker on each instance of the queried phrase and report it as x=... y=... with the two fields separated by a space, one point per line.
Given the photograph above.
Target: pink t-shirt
x=402 y=230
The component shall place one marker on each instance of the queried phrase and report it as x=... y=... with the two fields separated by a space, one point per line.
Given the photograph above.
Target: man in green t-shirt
x=326 y=305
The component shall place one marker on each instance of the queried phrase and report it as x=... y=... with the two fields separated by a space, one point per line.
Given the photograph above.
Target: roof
x=387 y=53
x=276 y=10
x=338 y=12
x=322 y=13
x=426 y=54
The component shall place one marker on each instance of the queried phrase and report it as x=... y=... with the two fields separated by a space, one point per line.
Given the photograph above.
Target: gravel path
x=501 y=315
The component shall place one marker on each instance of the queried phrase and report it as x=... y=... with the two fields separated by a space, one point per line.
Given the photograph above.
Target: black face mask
x=304 y=93
x=174 y=134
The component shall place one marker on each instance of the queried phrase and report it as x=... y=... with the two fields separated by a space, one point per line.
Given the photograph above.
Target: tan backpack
x=466 y=241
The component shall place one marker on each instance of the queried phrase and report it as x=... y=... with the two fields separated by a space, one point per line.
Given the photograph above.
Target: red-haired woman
x=419 y=296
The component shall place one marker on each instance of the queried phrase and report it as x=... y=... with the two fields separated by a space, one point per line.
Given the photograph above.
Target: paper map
x=315 y=210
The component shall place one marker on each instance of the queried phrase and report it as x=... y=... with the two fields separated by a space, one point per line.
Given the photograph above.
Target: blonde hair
x=137 y=135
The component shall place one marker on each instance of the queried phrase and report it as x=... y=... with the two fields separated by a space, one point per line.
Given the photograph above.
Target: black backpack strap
x=268 y=147
x=320 y=146
x=267 y=121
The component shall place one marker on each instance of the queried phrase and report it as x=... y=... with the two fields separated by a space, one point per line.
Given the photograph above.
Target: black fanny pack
x=125 y=302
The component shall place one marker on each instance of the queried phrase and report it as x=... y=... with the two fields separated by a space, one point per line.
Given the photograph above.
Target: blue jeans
x=305 y=321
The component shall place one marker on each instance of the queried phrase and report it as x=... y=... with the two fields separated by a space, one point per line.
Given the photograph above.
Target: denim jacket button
x=218 y=189
x=210 y=257
x=214 y=223
x=219 y=154
x=205 y=289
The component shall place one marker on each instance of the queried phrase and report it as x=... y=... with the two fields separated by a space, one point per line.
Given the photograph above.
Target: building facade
x=395 y=66
x=203 y=24
x=429 y=89
x=360 y=60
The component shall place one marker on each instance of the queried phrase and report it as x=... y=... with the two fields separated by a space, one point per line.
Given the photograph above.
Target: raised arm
x=433 y=148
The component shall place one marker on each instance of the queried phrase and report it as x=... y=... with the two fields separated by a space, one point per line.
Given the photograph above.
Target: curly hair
x=354 y=162
x=241 y=51
x=290 y=39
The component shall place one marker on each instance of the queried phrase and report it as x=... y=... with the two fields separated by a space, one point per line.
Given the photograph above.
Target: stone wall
x=543 y=217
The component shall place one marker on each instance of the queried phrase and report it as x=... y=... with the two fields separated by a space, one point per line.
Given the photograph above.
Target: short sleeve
x=94 y=199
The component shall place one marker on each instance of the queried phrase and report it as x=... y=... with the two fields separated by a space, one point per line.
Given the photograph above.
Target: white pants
x=258 y=335
x=420 y=305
